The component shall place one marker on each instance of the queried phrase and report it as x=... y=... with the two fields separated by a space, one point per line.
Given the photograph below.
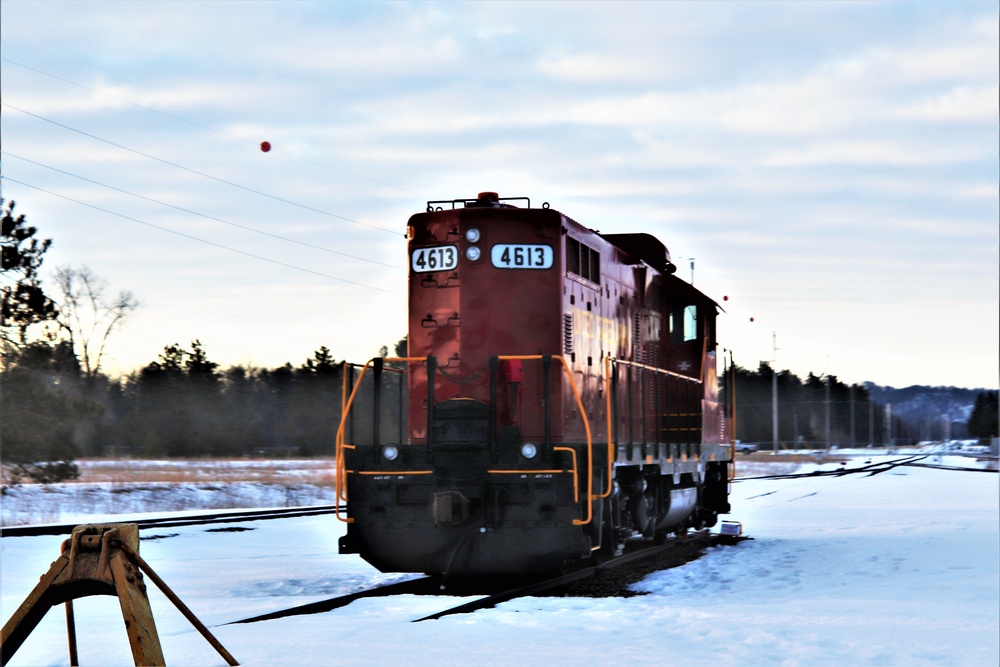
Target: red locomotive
x=560 y=397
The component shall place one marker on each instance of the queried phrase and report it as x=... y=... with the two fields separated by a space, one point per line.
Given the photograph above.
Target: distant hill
x=928 y=409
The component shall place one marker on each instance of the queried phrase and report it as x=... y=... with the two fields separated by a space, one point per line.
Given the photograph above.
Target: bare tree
x=88 y=316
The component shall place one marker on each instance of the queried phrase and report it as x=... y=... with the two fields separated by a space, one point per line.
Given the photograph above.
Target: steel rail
x=491 y=601
x=423 y=585
x=432 y=585
x=870 y=468
x=179 y=520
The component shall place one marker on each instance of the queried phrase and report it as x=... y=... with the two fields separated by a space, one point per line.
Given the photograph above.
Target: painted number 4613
x=436 y=258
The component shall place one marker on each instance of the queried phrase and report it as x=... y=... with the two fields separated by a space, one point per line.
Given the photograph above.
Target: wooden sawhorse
x=100 y=559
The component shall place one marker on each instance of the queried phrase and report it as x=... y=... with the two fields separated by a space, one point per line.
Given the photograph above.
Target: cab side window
x=684 y=324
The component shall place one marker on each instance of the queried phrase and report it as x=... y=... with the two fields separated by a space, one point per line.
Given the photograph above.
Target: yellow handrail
x=340 y=484
x=576 y=481
x=336 y=444
x=586 y=426
x=338 y=472
x=608 y=418
x=608 y=361
x=661 y=371
x=340 y=445
x=590 y=447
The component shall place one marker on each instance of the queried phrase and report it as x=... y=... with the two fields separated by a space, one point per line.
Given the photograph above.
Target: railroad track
x=227 y=516
x=868 y=469
x=433 y=585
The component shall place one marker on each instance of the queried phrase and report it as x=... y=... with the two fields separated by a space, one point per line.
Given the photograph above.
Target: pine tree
x=983 y=420
x=24 y=301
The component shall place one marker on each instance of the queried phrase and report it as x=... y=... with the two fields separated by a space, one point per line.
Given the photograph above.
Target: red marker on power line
x=265 y=146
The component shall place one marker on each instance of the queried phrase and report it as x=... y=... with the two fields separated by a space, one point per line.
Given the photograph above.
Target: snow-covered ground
x=104 y=501
x=109 y=488
x=899 y=568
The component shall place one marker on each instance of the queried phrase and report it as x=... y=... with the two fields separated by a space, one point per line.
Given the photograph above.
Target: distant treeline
x=185 y=405
x=818 y=410
x=181 y=405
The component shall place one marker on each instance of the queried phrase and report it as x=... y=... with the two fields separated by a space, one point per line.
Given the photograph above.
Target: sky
x=831 y=167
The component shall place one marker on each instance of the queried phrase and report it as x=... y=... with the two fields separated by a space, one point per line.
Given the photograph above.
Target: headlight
x=390 y=452
x=472 y=252
x=472 y=234
x=529 y=450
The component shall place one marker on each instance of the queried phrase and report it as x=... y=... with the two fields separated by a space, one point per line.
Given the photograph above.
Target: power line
x=127 y=101
x=201 y=215
x=203 y=127
x=193 y=238
x=199 y=173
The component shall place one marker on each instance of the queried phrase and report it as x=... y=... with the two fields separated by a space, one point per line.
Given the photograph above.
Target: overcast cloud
x=833 y=167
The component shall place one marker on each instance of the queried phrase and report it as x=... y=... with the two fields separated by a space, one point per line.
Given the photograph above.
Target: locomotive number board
x=435 y=258
x=521 y=256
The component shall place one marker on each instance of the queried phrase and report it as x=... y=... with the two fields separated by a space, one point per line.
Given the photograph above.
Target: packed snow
x=898 y=568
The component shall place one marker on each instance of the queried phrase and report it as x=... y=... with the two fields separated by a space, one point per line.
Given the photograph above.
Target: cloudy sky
x=831 y=166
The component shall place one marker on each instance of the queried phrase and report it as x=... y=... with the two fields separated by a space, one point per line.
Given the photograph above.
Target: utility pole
x=871 y=422
x=774 y=391
x=853 y=434
x=795 y=426
x=887 y=430
x=732 y=392
x=826 y=402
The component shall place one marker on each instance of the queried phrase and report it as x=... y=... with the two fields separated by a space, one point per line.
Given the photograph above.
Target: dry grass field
x=112 y=487
x=318 y=472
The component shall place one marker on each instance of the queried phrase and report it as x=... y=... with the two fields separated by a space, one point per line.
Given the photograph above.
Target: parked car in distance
x=745 y=447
